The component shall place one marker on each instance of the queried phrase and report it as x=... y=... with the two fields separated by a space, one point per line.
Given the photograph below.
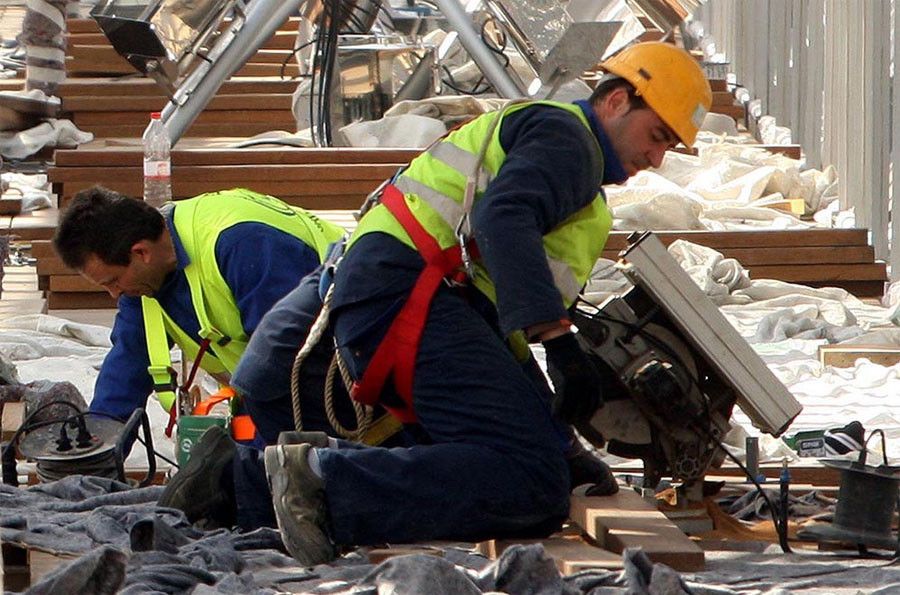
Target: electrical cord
x=290 y=56
x=50 y=471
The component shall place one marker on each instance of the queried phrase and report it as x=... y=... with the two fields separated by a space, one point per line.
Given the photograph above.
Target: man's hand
x=576 y=380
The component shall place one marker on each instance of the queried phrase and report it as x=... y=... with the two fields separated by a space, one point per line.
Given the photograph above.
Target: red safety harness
x=396 y=354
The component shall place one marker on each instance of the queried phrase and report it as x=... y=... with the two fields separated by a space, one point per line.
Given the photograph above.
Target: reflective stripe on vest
x=198 y=222
x=434 y=184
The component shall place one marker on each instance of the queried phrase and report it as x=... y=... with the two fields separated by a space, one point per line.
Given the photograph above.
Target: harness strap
x=396 y=354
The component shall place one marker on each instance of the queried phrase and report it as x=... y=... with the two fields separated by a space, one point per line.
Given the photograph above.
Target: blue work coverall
x=491 y=462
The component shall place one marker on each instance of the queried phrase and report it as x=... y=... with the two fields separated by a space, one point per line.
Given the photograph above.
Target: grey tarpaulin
x=129 y=545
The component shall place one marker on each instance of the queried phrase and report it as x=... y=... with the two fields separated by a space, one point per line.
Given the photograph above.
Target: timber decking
x=334 y=182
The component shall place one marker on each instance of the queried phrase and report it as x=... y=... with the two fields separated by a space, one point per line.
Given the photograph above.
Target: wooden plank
x=101 y=87
x=753 y=239
x=722 y=98
x=792 y=255
x=73 y=283
x=876 y=271
x=737 y=112
x=109 y=154
x=197 y=129
x=571 y=553
x=845 y=356
x=230 y=174
x=324 y=194
x=58 y=300
x=626 y=520
x=141 y=105
x=236 y=116
x=53 y=265
x=42 y=248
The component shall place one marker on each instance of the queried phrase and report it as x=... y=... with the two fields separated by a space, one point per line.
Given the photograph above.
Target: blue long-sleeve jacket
x=258 y=262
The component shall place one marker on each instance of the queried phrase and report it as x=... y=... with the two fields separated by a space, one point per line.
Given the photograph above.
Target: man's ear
x=142 y=250
x=615 y=103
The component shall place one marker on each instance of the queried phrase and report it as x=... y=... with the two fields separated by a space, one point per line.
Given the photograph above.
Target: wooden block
x=845 y=356
x=11 y=419
x=571 y=553
x=625 y=520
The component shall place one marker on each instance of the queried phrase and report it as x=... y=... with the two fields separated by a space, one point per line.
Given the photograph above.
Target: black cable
x=291 y=55
x=153 y=451
x=89 y=463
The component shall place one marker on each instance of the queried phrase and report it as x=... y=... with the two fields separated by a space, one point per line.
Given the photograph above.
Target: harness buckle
x=374 y=197
x=157 y=372
x=464 y=254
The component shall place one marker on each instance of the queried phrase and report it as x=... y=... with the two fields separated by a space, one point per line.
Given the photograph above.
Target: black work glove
x=576 y=380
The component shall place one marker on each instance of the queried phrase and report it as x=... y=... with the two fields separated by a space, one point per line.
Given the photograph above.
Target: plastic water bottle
x=157 y=162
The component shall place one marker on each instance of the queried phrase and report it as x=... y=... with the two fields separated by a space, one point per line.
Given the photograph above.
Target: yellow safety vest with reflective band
x=434 y=186
x=198 y=222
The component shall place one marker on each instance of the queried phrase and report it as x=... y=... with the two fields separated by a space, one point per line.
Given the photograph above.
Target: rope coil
x=363 y=413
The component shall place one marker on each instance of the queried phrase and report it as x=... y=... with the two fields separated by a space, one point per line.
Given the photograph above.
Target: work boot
x=201 y=488
x=299 y=499
x=585 y=467
x=314 y=439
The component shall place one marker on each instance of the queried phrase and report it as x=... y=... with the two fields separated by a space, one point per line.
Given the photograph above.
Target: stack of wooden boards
x=89 y=52
x=723 y=101
x=335 y=181
x=99 y=98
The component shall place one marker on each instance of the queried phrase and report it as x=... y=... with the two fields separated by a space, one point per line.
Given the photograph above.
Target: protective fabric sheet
x=50 y=133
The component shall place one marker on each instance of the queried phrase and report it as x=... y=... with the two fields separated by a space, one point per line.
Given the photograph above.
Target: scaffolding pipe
x=505 y=85
x=236 y=46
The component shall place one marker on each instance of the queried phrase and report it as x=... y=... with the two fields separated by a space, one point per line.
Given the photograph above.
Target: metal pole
x=505 y=85
x=236 y=46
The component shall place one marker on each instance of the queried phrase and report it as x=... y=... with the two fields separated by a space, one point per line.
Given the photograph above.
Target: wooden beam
x=845 y=356
x=626 y=520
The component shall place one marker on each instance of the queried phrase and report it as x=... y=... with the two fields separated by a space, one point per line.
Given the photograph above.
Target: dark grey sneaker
x=298 y=496
x=314 y=439
x=197 y=489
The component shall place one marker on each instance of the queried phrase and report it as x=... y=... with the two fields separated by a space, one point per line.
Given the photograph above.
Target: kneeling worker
x=199 y=272
x=478 y=247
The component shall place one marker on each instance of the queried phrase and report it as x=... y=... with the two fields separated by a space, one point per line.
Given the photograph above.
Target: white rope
x=363 y=413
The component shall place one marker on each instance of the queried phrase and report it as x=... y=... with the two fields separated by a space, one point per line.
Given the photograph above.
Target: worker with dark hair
x=200 y=273
x=477 y=248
